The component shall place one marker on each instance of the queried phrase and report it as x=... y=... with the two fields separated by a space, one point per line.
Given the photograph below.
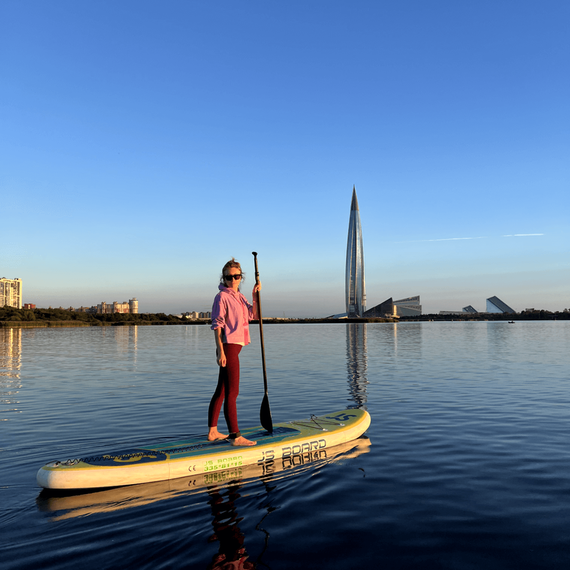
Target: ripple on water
x=468 y=464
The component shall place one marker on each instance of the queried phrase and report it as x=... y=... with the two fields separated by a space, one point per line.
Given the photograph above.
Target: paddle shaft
x=265 y=411
x=259 y=315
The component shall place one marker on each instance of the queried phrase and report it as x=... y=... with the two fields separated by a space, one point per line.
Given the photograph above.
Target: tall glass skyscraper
x=354 y=278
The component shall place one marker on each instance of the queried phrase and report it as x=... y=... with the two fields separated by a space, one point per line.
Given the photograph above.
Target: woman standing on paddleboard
x=231 y=314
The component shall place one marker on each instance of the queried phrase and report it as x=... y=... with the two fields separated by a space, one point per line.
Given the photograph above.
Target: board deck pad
x=194 y=455
x=194 y=446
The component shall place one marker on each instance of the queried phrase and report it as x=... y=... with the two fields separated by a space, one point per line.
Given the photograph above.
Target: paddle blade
x=265 y=415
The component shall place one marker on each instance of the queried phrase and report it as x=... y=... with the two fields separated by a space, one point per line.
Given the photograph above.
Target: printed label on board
x=223 y=463
x=299 y=448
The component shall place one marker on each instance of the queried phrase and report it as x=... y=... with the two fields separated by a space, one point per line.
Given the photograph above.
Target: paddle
x=265 y=412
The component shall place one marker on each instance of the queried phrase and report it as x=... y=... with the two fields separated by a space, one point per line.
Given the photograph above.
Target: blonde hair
x=231 y=263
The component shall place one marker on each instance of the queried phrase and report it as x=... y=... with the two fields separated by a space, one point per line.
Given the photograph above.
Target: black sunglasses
x=235 y=277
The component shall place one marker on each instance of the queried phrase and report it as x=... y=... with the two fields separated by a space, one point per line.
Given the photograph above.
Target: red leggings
x=227 y=391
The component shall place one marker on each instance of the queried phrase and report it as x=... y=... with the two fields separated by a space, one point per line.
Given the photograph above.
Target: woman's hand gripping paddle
x=265 y=412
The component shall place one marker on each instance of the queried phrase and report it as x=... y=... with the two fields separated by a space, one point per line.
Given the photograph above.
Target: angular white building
x=355 y=288
x=495 y=305
x=408 y=307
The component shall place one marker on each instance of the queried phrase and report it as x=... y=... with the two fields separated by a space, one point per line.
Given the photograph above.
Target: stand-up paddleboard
x=171 y=460
x=71 y=504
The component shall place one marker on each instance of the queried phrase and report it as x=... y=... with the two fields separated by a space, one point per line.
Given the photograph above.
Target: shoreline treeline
x=50 y=317
x=10 y=316
x=534 y=315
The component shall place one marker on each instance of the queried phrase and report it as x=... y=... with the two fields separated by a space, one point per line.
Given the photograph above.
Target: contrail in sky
x=453 y=239
x=467 y=238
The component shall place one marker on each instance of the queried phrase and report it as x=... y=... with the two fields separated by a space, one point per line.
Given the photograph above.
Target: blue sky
x=145 y=143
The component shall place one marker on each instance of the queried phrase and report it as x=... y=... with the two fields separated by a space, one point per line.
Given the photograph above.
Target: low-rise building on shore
x=131 y=306
x=196 y=315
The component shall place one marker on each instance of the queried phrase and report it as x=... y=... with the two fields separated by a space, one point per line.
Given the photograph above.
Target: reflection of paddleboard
x=88 y=503
x=165 y=461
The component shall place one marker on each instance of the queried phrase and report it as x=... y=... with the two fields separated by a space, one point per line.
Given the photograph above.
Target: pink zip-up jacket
x=232 y=312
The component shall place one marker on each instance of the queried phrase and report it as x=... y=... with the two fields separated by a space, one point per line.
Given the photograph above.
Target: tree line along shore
x=12 y=317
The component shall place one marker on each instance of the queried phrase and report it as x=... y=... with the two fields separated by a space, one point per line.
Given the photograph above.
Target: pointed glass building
x=354 y=278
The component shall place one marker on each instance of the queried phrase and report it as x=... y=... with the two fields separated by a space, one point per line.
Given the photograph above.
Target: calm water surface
x=466 y=465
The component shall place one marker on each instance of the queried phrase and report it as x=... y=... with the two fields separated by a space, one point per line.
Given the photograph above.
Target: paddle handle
x=254 y=253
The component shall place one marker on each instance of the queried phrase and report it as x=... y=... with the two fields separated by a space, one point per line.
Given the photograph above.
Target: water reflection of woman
x=231 y=314
x=231 y=554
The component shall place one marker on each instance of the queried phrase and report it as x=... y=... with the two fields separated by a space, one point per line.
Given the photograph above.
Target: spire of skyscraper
x=354 y=277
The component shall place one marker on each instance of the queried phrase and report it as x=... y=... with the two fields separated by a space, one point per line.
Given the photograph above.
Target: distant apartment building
x=11 y=293
x=29 y=306
x=131 y=306
x=195 y=315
